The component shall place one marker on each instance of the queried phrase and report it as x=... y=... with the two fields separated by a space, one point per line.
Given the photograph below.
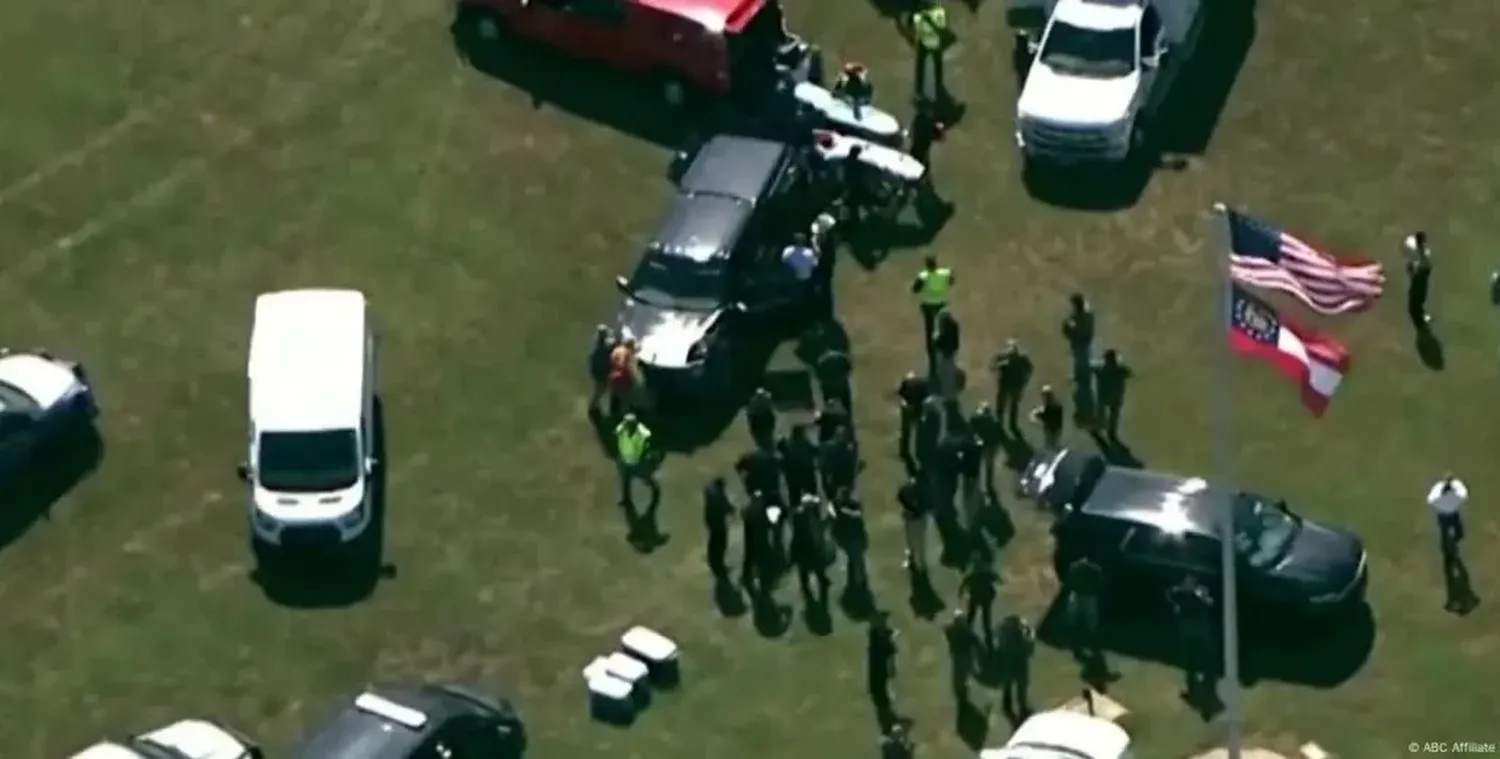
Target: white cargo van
x=1064 y=734
x=312 y=420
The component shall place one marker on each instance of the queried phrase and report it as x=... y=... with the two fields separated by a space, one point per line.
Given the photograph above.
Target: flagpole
x=1229 y=687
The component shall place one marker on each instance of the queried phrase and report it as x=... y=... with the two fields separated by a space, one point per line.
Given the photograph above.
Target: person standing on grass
x=933 y=287
x=933 y=37
x=757 y=562
x=1078 y=330
x=969 y=466
x=604 y=344
x=1418 y=258
x=1447 y=498
x=760 y=416
x=1012 y=369
x=910 y=395
x=717 y=511
x=897 y=743
x=1050 y=415
x=985 y=425
x=624 y=375
x=838 y=462
x=1015 y=643
x=945 y=344
x=808 y=552
x=914 y=515
x=833 y=371
x=880 y=662
x=962 y=646
x=632 y=450
x=930 y=424
x=1084 y=584
x=1192 y=607
x=831 y=420
x=799 y=463
x=850 y=534
x=980 y=588
x=1110 y=378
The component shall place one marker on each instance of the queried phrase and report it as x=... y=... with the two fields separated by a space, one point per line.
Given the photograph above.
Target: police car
x=187 y=739
x=42 y=399
x=421 y=722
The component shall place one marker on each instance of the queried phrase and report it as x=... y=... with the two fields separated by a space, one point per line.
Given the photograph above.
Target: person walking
x=809 y=554
x=945 y=344
x=1110 y=378
x=831 y=420
x=850 y=534
x=933 y=37
x=880 y=663
x=1012 y=369
x=838 y=462
x=757 y=573
x=760 y=416
x=833 y=370
x=931 y=422
x=896 y=743
x=632 y=450
x=910 y=395
x=926 y=129
x=717 y=511
x=933 y=287
x=962 y=646
x=914 y=514
x=1192 y=608
x=1446 y=498
x=1015 y=644
x=604 y=344
x=979 y=589
x=1050 y=415
x=1078 y=330
x=1084 y=584
x=1418 y=258
x=989 y=433
x=799 y=463
x=969 y=466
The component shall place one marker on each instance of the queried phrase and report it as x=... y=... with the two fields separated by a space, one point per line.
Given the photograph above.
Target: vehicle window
x=1150 y=30
x=12 y=399
x=1263 y=531
x=1105 y=53
x=680 y=282
x=308 y=462
x=1153 y=546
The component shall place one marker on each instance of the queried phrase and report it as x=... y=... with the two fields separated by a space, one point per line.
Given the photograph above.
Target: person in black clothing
x=914 y=519
x=799 y=463
x=968 y=465
x=849 y=532
x=760 y=415
x=962 y=652
x=1192 y=607
x=927 y=128
x=717 y=510
x=989 y=432
x=832 y=419
x=604 y=342
x=980 y=587
x=833 y=370
x=880 y=659
x=1419 y=280
x=930 y=423
x=808 y=553
x=945 y=344
x=1110 y=378
x=760 y=472
x=1078 y=330
x=1050 y=416
x=858 y=186
x=838 y=462
x=1085 y=585
x=756 y=529
x=896 y=743
x=1012 y=370
x=910 y=395
x=1015 y=642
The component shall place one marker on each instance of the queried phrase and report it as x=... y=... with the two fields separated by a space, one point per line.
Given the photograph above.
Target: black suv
x=713 y=267
x=1148 y=530
x=421 y=722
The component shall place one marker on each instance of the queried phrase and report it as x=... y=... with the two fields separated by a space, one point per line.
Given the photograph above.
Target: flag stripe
x=1276 y=260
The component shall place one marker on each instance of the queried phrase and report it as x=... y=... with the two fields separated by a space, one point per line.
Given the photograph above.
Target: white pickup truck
x=1064 y=734
x=187 y=739
x=1097 y=71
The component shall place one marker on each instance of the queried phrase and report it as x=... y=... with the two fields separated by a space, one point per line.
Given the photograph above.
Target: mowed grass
x=160 y=166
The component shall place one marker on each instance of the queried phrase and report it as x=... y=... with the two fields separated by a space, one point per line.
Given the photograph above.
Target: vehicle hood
x=1061 y=733
x=308 y=508
x=45 y=380
x=716 y=16
x=1050 y=95
x=1322 y=558
x=107 y=751
x=199 y=739
x=665 y=335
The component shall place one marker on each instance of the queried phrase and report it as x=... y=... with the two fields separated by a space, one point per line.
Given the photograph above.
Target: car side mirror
x=370 y=465
x=243 y=472
x=623 y=285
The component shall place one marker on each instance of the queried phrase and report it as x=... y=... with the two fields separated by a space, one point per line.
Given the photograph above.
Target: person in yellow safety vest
x=930 y=32
x=632 y=453
x=933 y=288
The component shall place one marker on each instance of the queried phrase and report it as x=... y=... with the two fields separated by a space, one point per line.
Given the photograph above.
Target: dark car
x=421 y=722
x=1147 y=530
x=713 y=269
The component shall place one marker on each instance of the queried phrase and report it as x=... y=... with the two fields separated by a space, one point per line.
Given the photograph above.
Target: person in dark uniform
x=760 y=472
x=604 y=343
x=945 y=345
x=809 y=554
x=799 y=463
x=897 y=743
x=717 y=511
x=849 y=532
x=914 y=519
x=1085 y=585
x=1419 y=280
x=760 y=415
x=930 y=424
x=1050 y=415
x=1110 y=378
x=859 y=187
x=832 y=419
x=1012 y=370
x=910 y=395
x=1078 y=330
x=880 y=661
x=838 y=462
x=980 y=588
x=962 y=651
x=756 y=532
x=833 y=370
x=968 y=465
x=926 y=129
x=988 y=431
x=1014 y=644
x=1192 y=607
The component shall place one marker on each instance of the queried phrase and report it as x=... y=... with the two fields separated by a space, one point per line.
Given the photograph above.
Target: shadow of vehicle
x=316 y=581
x=29 y=493
x=1319 y=653
x=685 y=423
x=1184 y=123
x=628 y=104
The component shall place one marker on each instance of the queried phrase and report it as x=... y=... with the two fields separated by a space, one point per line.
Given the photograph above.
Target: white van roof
x=307 y=360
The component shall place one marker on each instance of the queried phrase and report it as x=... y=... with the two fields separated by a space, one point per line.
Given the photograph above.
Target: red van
x=688 y=47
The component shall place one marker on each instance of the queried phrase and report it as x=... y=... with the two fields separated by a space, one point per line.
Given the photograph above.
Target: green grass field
x=160 y=165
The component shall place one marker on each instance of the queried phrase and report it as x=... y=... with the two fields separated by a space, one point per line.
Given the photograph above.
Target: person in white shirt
x=1446 y=499
x=800 y=258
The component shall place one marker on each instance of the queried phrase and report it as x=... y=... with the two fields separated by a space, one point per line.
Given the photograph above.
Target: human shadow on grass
x=1182 y=127
x=872 y=244
x=1458 y=586
x=587 y=90
x=728 y=598
x=1115 y=451
x=317 y=580
x=1430 y=350
x=49 y=473
x=1322 y=653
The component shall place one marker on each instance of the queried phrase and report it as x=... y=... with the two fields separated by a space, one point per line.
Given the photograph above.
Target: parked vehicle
x=1063 y=734
x=42 y=400
x=1147 y=530
x=419 y=722
x=712 y=269
x=708 y=48
x=1099 y=72
x=311 y=457
x=188 y=739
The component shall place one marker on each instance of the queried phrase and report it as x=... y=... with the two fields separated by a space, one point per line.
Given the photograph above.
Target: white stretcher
x=863 y=120
x=898 y=166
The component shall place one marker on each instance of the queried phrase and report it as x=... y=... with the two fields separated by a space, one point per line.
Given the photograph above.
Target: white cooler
x=610 y=698
x=660 y=654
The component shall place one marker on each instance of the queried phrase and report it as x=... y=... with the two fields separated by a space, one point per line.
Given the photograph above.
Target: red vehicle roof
x=715 y=15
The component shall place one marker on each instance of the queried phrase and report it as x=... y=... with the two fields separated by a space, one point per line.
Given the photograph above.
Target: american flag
x=1262 y=255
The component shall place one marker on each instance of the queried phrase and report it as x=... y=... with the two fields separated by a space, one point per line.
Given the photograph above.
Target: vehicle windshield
x=149 y=749
x=12 y=399
x=679 y=282
x=308 y=462
x=1104 y=54
x=1264 y=531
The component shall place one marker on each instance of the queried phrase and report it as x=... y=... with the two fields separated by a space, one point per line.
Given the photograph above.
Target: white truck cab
x=312 y=419
x=1095 y=67
x=188 y=739
x=1064 y=734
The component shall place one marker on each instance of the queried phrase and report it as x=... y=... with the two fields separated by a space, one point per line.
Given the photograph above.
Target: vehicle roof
x=714 y=15
x=1166 y=501
x=701 y=228
x=734 y=166
x=1099 y=14
x=106 y=751
x=307 y=363
x=354 y=733
x=1066 y=733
